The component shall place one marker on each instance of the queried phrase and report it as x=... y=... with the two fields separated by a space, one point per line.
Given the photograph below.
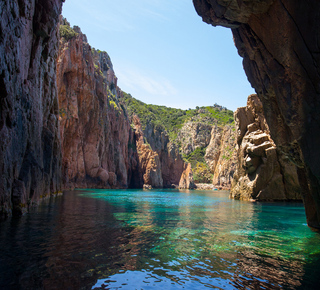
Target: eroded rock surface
x=149 y=162
x=263 y=173
x=173 y=167
x=279 y=42
x=30 y=157
x=97 y=140
x=194 y=134
x=225 y=165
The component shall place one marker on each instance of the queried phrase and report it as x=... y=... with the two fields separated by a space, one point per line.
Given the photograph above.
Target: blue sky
x=163 y=53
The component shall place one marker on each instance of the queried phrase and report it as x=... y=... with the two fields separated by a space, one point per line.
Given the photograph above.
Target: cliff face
x=194 y=134
x=278 y=40
x=149 y=161
x=30 y=157
x=97 y=141
x=226 y=157
x=263 y=172
x=174 y=170
x=99 y=148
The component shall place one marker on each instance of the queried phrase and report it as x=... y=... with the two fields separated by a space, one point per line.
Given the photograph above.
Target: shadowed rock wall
x=279 y=42
x=30 y=156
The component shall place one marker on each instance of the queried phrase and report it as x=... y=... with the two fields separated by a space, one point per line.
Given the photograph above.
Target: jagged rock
x=194 y=135
x=30 y=157
x=172 y=164
x=160 y=162
x=149 y=162
x=279 y=43
x=226 y=164
x=186 y=180
x=95 y=130
x=213 y=150
x=260 y=174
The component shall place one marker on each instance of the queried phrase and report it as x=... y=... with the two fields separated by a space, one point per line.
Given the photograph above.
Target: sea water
x=159 y=239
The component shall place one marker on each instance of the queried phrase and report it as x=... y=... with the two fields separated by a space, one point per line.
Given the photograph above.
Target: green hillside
x=172 y=119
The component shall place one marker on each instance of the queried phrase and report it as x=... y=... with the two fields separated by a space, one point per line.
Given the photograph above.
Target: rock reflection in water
x=158 y=239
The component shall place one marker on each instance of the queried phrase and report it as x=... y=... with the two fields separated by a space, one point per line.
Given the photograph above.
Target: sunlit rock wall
x=279 y=42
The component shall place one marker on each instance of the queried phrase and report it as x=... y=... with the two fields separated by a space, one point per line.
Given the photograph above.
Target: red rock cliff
x=97 y=141
x=175 y=171
x=160 y=162
x=279 y=42
x=30 y=157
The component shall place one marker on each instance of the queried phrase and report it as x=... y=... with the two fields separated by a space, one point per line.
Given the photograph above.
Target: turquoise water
x=159 y=239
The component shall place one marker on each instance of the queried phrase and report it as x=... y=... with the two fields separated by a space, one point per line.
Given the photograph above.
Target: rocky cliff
x=175 y=171
x=149 y=161
x=263 y=171
x=222 y=159
x=30 y=157
x=279 y=43
x=96 y=137
x=99 y=147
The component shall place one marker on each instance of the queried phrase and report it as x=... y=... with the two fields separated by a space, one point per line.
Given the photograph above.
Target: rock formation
x=194 y=134
x=99 y=148
x=175 y=171
x=224 y=159
x=279 y=43
x=263 y=172
x=96 y=137
x=149 y=162
x=30 y=157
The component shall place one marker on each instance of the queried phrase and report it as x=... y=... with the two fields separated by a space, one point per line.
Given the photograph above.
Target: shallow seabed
x=159 y=239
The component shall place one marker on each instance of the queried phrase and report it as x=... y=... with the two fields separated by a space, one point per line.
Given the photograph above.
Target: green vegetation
x=67 y=32
x=201 y=171
x=196 y=156
x=171 y=119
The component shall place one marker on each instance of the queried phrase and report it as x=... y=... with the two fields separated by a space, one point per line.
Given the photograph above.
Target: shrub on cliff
x=67 y=32
x=201 y=173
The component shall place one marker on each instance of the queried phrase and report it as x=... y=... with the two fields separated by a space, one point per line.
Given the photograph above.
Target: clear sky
x=163 y=53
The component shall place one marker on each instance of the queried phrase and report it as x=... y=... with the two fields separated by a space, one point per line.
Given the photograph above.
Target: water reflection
x=158 y=239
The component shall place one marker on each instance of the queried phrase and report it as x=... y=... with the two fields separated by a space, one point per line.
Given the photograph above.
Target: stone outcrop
x=175 y=171
x=96 y=137
x=263 y=173
x=279 y=43
x=225 y=165
x=186 y=179
x=213 y=150
x=30 y=157
x=149 y=162
x=194 y=134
